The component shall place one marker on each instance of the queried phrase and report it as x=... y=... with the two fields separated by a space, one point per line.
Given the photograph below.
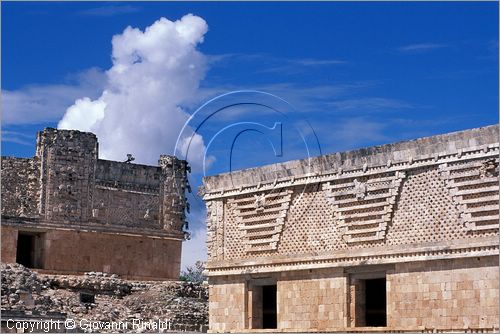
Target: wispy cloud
x=291 y=66
x=360 y=130
x=370 y=103
x=339 y=99
x=317 y=62
x=421 y=47
x=111 y=10
x=272 y=64
x=17 y=138
x=342 y=134
x=47 y=103
x=302 y=97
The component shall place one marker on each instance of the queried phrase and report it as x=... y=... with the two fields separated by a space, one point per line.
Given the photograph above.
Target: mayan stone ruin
x=100 y=298
x=66 y=211
x=396 y=237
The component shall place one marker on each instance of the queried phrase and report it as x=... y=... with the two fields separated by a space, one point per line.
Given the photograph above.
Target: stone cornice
x=485 y=246
x=477 y=152
x=34 y=223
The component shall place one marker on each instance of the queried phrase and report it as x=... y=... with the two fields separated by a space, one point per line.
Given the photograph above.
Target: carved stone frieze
x=474 y=187
x=363 y=206
x=261 y=218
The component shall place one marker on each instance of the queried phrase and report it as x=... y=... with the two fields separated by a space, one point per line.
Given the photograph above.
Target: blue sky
x=361 y=74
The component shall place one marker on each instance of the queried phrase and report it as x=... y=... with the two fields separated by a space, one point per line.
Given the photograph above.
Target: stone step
x=476 y=191
x=363 y=214
x=482 y=199
x=483 y=208
x=364 y=206
x=257 y=226
x=354 y=200
x=283 y=206
x=263 y=218
x=474 y=182
x=364 y=230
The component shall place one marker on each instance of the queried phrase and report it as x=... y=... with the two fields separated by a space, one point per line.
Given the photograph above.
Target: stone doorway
x=375 y=302
x=367 y=297
x=269 y=309
x=29 y=249
x=262 y=304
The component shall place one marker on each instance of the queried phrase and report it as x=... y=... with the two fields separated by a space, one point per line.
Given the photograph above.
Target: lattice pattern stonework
x=474 y=188
x=260 y=218
x=363 y=206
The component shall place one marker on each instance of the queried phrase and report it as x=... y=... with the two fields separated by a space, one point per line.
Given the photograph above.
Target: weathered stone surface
x=20 y=186
x=422 y=214
x=65 y=193
x=184 y=304
x=374 y=157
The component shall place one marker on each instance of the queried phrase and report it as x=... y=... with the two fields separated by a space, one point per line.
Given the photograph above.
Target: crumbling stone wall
x=20 y=186
x=173 y=186
x=66 y=182
x=184 y=304
x=127 y=194
x=68 y=161
x=126 y=218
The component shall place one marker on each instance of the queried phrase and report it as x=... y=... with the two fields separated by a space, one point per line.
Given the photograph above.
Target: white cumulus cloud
x=155 y=73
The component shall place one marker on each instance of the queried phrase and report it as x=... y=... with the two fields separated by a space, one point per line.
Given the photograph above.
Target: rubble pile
x=100 y=283
x=183 y=304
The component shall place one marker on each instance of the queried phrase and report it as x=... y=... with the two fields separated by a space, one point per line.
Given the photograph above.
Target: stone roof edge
x=365 y=159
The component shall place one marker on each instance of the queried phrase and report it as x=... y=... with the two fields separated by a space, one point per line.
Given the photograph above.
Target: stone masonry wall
x=444 y=294
x=457 y=294
x=68 y=161
x=66 y=183
x=227 y=306
x=439 y=197
x=87 y=214
x=127 y=194
x=112 y=253
x=77 y=252
x=312 y=301
x=9 y=243
x=126 y=208
x=172 y=189
x=20 y=186
x=434 y=146
x=423 y=214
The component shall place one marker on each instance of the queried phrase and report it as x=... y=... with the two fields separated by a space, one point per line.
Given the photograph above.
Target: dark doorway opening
x=375 y=302
x=269 y=307
x=29 y=249
x=87 y=298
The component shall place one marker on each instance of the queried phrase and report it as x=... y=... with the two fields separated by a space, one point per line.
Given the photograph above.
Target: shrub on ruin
x=194 y=273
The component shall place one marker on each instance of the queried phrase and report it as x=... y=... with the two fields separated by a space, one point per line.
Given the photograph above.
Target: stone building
x=67 y=211
x=395 y=237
